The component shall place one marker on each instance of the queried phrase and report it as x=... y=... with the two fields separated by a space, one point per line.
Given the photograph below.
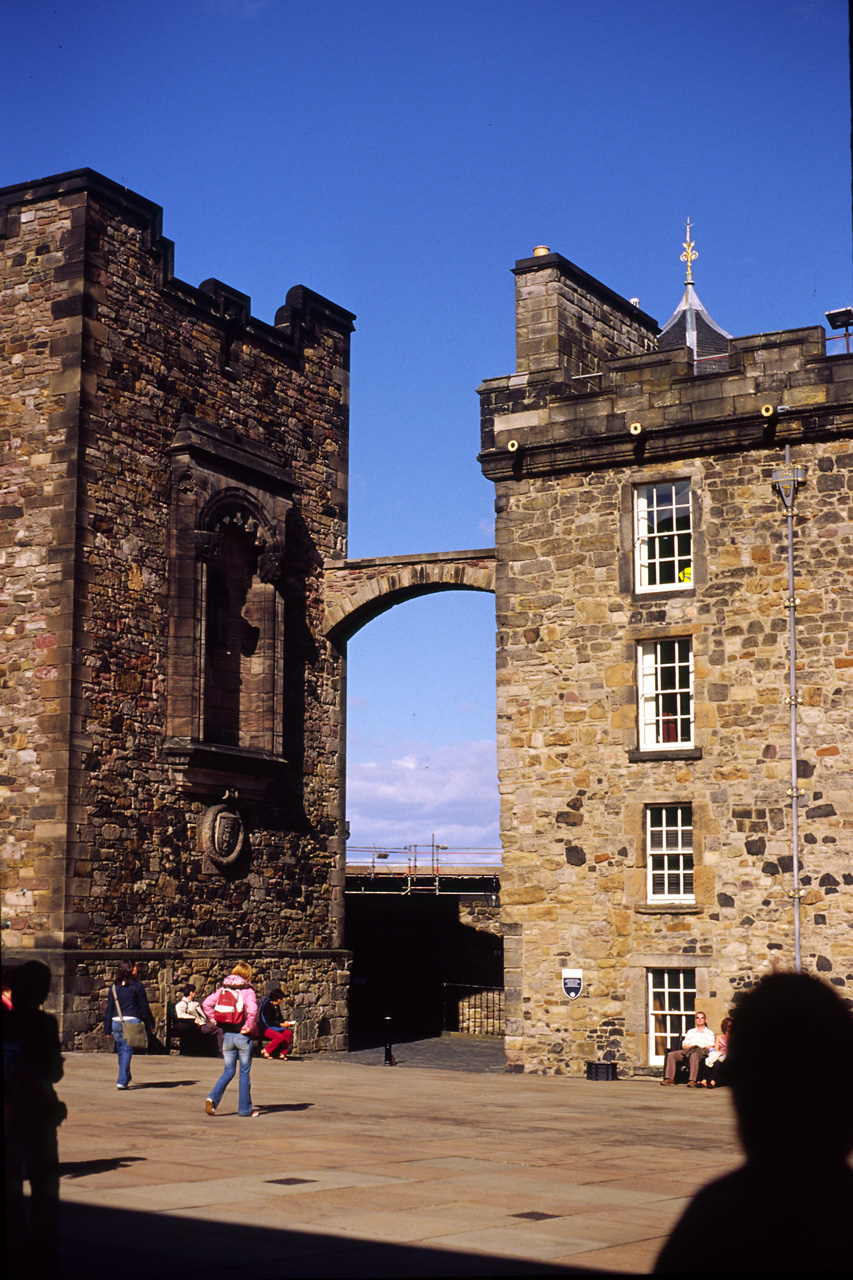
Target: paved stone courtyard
x=447 y=1052
x=357 y=1169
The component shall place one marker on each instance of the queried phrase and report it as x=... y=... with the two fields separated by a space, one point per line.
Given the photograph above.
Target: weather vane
x=689 y=256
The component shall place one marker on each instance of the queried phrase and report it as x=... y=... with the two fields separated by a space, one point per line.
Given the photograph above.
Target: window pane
x=660 y=512
x=672 y=998
x=666 y=692
x=670 y=873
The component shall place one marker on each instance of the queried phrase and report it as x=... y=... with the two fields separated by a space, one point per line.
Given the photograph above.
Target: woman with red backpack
x=234 y=1009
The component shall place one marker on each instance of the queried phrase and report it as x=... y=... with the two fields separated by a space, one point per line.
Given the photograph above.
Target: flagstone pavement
x=354 y=1169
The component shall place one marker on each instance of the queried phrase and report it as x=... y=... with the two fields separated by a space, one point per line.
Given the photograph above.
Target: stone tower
x=175 y=476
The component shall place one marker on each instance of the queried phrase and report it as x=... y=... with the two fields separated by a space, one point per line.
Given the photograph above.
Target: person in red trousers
x=277 y=1032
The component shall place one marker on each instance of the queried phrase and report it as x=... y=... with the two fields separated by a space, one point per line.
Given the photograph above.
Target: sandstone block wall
x=568 y=321
x=147 y=426
x=574 y=780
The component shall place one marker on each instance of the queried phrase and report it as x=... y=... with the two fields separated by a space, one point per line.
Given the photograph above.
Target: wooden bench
x=190 y=1042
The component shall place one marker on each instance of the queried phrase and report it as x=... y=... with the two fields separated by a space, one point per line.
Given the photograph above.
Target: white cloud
x=448 y=792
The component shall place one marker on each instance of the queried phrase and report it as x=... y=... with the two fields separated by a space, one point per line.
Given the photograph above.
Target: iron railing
x=418 y=868
x=473 y=1010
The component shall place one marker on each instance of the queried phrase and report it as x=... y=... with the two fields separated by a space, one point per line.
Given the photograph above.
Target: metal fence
x=472 y=1010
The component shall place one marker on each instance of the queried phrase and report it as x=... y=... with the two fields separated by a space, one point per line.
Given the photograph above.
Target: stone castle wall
x=567 y=321
x=151 y=425
x=316 y=986
x=574 y=782
x=40 y=396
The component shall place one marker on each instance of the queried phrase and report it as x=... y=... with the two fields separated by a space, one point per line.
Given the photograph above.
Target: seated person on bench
x=277 y=1032
x=192 y=1025
x=695 y=1046
x=188 y=1009
x=710 y=1070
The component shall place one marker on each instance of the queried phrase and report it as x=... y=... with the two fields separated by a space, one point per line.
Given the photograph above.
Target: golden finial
x=689 y=256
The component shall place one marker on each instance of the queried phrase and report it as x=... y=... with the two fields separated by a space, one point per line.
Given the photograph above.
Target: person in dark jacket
x=32 y=1065
x=132 y=1007
x=276 y=1030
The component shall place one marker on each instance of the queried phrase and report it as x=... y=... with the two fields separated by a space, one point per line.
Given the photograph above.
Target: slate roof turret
x=691 y=326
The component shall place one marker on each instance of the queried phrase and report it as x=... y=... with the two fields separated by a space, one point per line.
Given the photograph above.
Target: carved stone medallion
x=222 y=833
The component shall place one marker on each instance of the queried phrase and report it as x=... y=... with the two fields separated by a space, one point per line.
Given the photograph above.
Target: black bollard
x=389 y=1057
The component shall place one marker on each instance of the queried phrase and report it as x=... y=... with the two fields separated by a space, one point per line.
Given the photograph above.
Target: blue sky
x=399 y=158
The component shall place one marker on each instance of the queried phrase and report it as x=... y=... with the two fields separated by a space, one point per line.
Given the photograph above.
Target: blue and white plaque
x=572 y=983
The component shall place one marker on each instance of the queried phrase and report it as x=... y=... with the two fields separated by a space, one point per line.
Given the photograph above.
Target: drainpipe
x=787 y=480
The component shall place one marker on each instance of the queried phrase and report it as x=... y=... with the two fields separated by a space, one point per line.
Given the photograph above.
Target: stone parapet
x=778 y=388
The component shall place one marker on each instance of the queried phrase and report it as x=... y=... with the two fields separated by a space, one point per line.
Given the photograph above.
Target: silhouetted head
x=189 y=990
x=29 y=984
x=124 y=973
x=243 y=970
x=276 y=995
x=724 y=1026
x=790 y=1054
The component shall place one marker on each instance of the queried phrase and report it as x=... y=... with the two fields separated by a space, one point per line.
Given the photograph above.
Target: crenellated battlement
x=80 y=190
x=653 y=405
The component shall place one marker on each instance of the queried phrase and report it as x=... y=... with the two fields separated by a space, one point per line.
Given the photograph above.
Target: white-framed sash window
x=672 y=1001
x=666 y=693
x=669 y=853
x=663 y=536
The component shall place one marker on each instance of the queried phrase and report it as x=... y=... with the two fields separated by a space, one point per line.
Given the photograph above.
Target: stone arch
x=357 y=591
x=238 y=507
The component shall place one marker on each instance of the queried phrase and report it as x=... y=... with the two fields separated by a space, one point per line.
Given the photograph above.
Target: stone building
x=176 y=603
x=644 y=745
x=175 y=480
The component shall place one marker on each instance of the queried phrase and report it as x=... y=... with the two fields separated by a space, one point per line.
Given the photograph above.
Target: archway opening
x=423 y=814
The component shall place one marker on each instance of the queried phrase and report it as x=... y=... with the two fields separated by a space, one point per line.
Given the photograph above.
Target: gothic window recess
x=239 y=634
x=230 y=501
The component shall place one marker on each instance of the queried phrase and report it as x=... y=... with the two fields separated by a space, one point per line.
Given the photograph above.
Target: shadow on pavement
x=165 y=1084
x=83 y=1168
x=284 y=1106
x=447 y=1053
x=179 y=1248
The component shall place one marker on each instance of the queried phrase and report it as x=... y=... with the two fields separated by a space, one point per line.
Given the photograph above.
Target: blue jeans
x=125 y=1053
x=234 y=1046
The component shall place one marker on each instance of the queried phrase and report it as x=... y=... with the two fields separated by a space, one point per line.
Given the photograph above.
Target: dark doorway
x=405 y=947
